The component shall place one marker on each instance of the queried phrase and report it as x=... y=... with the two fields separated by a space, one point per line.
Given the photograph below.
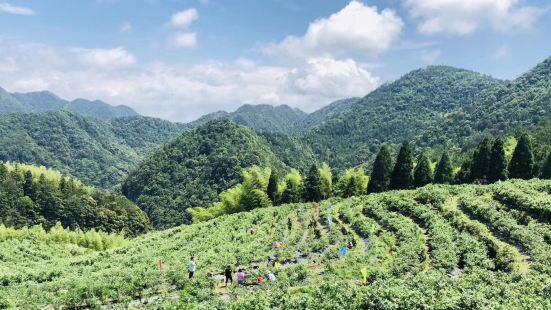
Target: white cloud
x=184 y=92
x=184 y=18
x=430 y=57
x=125 y=27
x=18 y=10
x=8 y=65
x=356 y=28
x=334 y=78
x=106 y=58
x=183 y=39
x=462 y=17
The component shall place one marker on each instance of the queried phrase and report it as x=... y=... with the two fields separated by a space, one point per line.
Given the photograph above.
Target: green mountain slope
x=445 y=247
x=96 y=152
x=46 y=101
x=194 y=168
x=427 y=105
x=262 y=118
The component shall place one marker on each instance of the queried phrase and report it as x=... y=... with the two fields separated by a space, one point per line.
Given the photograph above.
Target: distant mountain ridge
x=43 y=101
x=277 y=119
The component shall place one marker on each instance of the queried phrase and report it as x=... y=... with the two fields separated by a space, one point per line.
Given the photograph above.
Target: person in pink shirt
x=240 y=277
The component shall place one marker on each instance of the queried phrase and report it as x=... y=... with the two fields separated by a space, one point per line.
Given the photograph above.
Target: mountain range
x=43 y=101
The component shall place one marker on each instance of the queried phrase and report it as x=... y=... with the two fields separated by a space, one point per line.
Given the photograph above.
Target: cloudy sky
x=178 y=59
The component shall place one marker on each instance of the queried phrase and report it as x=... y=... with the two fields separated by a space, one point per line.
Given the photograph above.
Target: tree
x=312 y=185
x=352 y=182
x=481 y=161
x=497 y=170
x=464 y=174
x=272 y=188
x=293 y=187
x=423 y=172
x=28 y=185
x=380 y=175
x=444 y=170
x=546 y=170
x=402 y=175
x=326 y=178
x=522 y=162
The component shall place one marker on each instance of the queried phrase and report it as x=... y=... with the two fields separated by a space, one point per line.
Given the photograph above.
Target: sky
x=179 y=59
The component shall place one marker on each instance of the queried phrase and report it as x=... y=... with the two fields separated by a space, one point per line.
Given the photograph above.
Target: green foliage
x=402 y=175
x=439 y=247
x=92 y=239
x=272 y=189
x=193 y=169
x=497 y=170
x=416 y=106
x=353 y=182
x=28 y=199
x=522 y=162
x=444 y=170
x=546 y=170
x=381 y=172
x=326 y=178
x=294 y=187
x=97 y=152
x=423 y=173
x=481 y=161
x=312 y=185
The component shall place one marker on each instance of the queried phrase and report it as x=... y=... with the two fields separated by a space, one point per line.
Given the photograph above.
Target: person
x=240 y=277
x=271 y=277
x=271 y=261
x=260 y=280
x=228 y=275
x=191 y=266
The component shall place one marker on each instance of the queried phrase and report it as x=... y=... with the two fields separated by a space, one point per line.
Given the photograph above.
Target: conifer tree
x=444 y=170
x=464 y=174
x=423 y=171
x=481 y=161
x=546 y=170
x=28 y=185
x=382 y=169
x=402 y=175
x=498 y=162
x=272 y=188
x=312 y=185
x=522 y=162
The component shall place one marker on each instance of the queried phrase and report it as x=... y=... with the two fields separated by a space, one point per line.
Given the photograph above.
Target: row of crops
x=438 y=247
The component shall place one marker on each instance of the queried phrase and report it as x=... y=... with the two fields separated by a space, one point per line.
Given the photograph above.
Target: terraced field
x=438 y=247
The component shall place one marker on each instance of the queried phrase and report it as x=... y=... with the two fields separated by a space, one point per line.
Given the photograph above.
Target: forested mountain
x=31 y=196
x=96 y=152
x=429 y=106
x=46 y=101
x=262 y=118
x=194 y=168
x=279 y=119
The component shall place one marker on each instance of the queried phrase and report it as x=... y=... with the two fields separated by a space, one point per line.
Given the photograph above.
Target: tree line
x=29 y=198
x=488 y=164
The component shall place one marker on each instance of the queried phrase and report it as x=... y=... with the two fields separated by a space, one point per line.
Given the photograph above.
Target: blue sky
x=179 y=59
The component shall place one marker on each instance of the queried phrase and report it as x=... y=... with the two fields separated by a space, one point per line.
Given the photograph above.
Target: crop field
x=437 y=247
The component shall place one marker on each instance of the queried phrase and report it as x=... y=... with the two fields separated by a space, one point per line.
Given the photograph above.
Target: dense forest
x=99 y=153
x=194 y=168
x=32 y=196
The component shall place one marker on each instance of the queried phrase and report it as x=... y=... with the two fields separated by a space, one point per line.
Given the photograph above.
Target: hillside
x=262 y=117
x=277 y=119
x=31 y=195
x=46 y=101
x=194 y=168
x=438 y=247
x=428 y=106
x=96 y=152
